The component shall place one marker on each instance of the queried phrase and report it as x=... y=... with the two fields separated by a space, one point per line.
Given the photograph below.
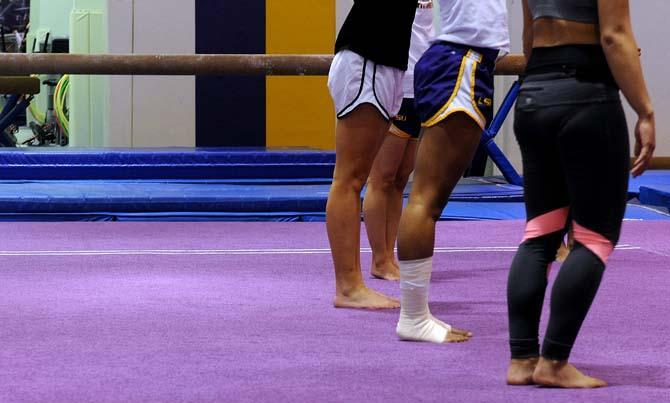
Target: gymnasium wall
x=652 y=30
x=260 y=111
x=189 y=111
x=151 y=111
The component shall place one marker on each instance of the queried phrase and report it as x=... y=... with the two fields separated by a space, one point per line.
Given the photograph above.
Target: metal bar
x=498 y=157
x=12 y=64
x=504 y=110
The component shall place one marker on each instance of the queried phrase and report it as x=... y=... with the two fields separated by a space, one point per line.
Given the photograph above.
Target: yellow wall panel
x=300 y=113
x=300 y=26
x=299 y=110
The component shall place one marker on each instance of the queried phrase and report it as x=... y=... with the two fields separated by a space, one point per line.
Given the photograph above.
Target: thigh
x=408 y=161
x=359 y=136
x=389 y=158
x=407 y=125
x=445 y=151
x=595 y=152
x=545 y=189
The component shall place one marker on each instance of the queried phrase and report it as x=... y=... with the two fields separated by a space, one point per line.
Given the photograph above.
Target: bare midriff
x=548 y=32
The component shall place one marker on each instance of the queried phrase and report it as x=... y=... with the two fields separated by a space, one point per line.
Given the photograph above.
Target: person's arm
x=527 y=30
x=620 y=47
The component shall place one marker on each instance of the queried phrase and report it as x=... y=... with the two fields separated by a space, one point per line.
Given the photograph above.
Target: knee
x=350 y=183
x=522 y=289
x=383 y=181
x=350 y=180
x=593 y=241
x=540 y=251
x=429 y=206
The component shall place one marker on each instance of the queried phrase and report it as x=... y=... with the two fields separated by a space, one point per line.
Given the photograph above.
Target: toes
x=461 y=332
x=456 y=338
x=599 y=383
x=394 y=304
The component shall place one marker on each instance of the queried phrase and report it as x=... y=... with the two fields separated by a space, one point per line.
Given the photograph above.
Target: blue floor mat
x=33 y=197
x=516 y=211
x=202 y=200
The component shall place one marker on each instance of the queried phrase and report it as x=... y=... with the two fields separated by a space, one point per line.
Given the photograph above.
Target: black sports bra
x=584 y=11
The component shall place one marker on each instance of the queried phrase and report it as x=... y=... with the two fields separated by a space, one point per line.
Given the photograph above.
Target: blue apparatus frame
x=488 y=137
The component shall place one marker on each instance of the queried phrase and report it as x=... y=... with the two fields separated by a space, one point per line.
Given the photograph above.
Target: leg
x=597 y=177
x=396 y=197
x=379 y=199
x=359 y=137
x=546 y=199
x=571 y=297
x=526 y=287
x=445 y=151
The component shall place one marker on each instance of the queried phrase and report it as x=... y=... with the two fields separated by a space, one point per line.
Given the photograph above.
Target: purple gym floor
x=164 y=312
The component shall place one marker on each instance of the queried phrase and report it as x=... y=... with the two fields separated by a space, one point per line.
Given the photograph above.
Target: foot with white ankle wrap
x=416 y=322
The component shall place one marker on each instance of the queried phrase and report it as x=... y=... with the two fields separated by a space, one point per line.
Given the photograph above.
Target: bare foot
x=458 y=336
x=520 y=371
x=454 y=330
x=560 y=374
x=387 y=271
x=365 y=298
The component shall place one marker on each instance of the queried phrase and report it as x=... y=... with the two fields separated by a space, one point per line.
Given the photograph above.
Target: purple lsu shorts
x=451 y=78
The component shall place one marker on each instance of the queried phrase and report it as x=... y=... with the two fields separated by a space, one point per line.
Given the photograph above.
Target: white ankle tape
x=416 y=322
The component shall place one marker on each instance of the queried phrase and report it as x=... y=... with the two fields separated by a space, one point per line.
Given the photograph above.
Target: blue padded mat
x=656 y=195
x=31 y=197
x=130 y=197
x=650 y=178
x=173 y=163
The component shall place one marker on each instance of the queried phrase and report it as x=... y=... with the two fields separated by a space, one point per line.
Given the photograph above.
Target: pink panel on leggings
x=546 y=223
x=595 y=242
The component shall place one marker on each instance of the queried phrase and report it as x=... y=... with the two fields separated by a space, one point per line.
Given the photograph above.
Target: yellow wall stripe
x=299 y=111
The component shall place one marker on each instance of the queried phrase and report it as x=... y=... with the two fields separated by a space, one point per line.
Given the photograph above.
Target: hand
x=645 y=143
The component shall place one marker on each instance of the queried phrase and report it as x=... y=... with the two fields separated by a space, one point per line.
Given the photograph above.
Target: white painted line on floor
x=320 y=251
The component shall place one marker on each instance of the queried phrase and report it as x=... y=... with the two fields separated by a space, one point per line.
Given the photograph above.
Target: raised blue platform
x=649 y=179
x=656 y=195
x=172 y=163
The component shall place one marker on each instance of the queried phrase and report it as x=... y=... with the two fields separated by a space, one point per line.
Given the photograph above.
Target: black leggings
x=571 y=128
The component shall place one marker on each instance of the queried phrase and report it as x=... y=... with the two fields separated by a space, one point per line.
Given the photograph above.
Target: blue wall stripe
x=230 y=111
